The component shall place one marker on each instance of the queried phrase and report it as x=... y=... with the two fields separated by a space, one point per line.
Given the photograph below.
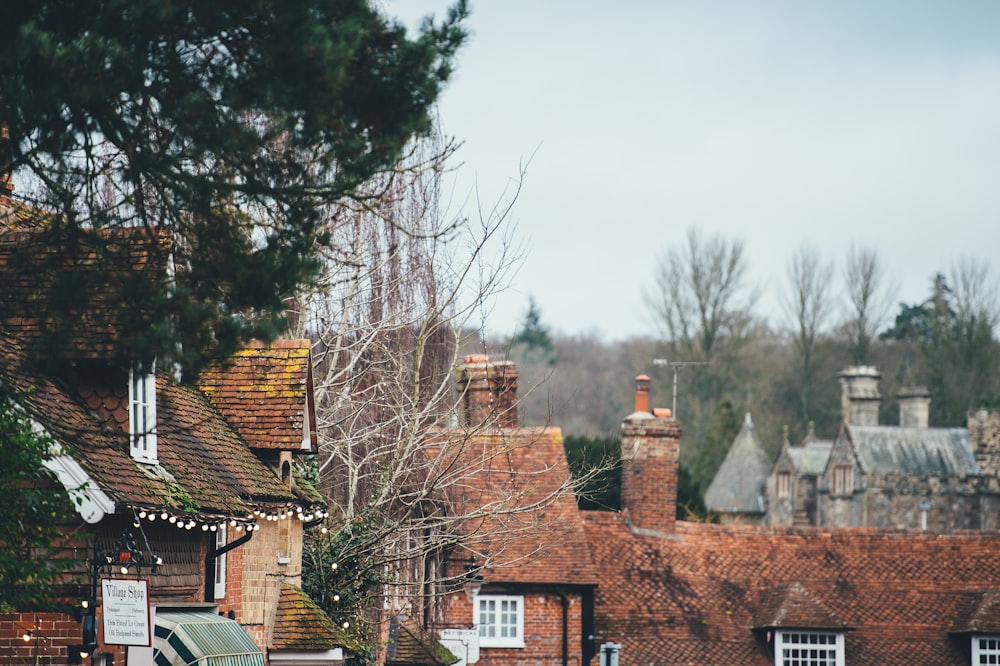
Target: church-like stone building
x=909 y=476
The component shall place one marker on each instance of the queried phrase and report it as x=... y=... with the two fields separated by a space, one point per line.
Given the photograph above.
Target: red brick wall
x=56 y=631
x=542 y=630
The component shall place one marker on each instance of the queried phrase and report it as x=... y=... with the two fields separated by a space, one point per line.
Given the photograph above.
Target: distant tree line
x=836 y=314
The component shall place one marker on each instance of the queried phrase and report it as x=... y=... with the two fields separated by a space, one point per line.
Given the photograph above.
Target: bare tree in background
x=403 y=281
x=809 y=303
x=703 y=303
x=870 y=294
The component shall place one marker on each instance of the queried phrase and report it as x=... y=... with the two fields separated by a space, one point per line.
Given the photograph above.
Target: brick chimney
x=487 y=392
x=650 y=449
x=859 y=397
x=914 y=406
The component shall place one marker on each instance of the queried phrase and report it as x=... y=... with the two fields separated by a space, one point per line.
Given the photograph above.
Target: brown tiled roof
x=76 y=291
x=210 y=469
x=539 y=541
x=415 y=647
x=265 y=392
x=980 y=615
x=696 y=596
x=300 y=624
x=791 y=605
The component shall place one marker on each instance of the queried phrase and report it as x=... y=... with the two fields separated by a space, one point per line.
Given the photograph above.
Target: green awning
x=202 y=639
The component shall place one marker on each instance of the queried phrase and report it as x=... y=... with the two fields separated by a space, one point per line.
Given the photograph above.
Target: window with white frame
x=809 y=648
x=500 y=619
x=784 y=483
x=843 y=480
x=220 y=563
x=142 y=413
x=986 y=649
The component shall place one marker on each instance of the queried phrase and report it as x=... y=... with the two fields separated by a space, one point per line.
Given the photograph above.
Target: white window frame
x=221 y=540
x=803 y=647
x=985 y=649
x=783 y=485
x=493 y=616
x=142 y=414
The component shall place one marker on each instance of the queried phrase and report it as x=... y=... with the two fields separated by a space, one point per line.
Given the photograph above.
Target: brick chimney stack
x=914 y=406
x=859 y=397
x=487 y=392
x=650 y=450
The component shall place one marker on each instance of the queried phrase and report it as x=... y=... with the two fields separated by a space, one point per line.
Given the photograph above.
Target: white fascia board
x=91 y=502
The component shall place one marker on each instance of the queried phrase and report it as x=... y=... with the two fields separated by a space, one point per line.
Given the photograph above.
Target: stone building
x=909 y=476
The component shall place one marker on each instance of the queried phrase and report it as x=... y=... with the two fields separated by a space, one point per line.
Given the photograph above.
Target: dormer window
x=142 y=413
x=985 y=650
x=809 y=648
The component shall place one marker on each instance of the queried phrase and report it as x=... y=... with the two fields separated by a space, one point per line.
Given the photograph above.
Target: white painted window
x=809 y=648
x=500 y=619
x=843 y=480
x=220 y=563
x=986 y=649
x=784 y=485
x=142 y=414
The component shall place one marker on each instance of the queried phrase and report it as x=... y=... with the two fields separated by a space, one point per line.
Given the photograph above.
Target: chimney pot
x=642 y=394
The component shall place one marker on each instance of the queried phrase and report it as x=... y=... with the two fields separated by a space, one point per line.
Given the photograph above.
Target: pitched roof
x=415 y=647
x=920 y=451
x=299 y=624
x=265 y=392
x=72 y=293
x=203 y=465
x=810 y=458
x=697 y=595
x=738 y=486
x=792 y=606
x=535 y=534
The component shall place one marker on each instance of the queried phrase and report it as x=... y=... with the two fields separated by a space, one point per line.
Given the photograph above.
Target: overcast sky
x=780 y=123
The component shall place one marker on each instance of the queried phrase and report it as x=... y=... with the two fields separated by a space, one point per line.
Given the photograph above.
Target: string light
x=151 y=517
x=173 y=519
x=164 y=515
x=142 y=514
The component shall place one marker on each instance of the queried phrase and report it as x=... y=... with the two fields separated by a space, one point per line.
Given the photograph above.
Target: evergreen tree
x=33 y=502
x=532 y=334
x=232 y=126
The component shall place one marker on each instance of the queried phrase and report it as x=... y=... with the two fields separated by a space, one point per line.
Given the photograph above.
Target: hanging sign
x=126 y=612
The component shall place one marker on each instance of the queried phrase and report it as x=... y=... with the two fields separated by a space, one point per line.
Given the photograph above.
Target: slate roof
x=738 y=486
x=811 y=457
x=265 y=392
x=696 y=597
x=918 y=451
x=541 y=542
x=299 y=624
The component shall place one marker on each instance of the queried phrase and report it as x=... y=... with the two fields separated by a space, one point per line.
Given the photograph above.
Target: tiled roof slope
x=694 y=597
x=265 y=392
x=920 y=451
x=69 y=290
x=540 y=541
x=209 y=468
x=738 y=486
x=300 y=624
x=415 y=647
